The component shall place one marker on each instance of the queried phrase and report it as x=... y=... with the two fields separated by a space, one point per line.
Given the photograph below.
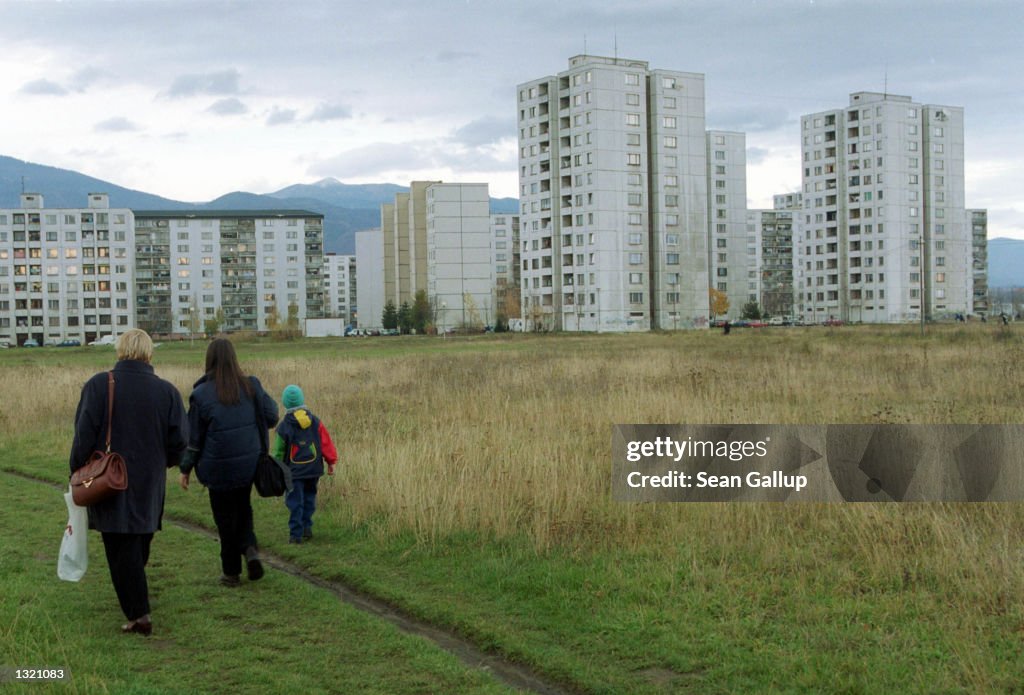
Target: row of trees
x=407 y=318
x=422 y=314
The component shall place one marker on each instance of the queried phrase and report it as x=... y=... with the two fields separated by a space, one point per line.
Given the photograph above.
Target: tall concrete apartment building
x=505 y=259
x=613 y=197
x=460 y=272
x=978 y=221
x=884 y=235
x=772 y=254
x=436 y=238
x=340 y=294
x=240 y=266
x=65 y=273
x=733 y=257
x=370 y=278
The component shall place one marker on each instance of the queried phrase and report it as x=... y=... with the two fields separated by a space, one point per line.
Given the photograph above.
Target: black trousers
x=232 y=513
x=127 y=557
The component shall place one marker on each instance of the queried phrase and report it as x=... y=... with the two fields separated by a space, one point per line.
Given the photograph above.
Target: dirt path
x=507 y=672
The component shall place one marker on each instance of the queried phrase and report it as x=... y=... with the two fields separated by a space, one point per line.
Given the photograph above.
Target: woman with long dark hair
x=228 y=415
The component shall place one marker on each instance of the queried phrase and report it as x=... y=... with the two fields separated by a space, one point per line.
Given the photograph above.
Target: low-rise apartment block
x=65 y=273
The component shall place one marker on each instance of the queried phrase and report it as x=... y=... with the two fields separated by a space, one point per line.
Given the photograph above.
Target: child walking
x=304 y=444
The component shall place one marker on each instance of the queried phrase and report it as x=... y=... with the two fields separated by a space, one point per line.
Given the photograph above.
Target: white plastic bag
x=74 y=556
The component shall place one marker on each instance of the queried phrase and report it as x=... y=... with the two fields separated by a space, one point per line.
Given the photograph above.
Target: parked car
x=832 y=322
x=30 y=343
x=70 y=342
x=105 y=340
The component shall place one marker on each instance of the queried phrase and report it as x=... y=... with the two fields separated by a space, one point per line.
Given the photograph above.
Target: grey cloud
x=455 y=56
x=85 y=78
x=383 y=157
x=376 y=158
x=118 y=124
x=221 y=82
x=330 y=112
x=229 y=106
x=757 y=155
x=281 y=116
x=748 y=119
x=484 y=131
x=43 y=87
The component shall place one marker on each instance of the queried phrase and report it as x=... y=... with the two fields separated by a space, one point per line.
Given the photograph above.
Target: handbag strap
x=261 y=422
x=110 y=406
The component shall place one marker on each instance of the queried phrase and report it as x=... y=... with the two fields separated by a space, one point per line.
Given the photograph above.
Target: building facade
x=242 y=270
x=340 y=294
x=733 y=256
x=370 y=278
x=65 y=273
x=505 y=258
x=978 y=220
x=613 y=198
x=884 y=234
x=772 y=231
x=460 y=272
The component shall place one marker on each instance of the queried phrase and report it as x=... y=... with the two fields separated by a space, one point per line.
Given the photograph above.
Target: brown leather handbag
x=104 y=474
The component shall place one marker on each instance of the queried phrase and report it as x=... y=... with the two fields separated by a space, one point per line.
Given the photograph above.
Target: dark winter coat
x=225 y=439
x=149 y=430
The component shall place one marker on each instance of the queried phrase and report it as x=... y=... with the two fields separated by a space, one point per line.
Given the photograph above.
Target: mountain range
x=1005 y=262
x=347 y=208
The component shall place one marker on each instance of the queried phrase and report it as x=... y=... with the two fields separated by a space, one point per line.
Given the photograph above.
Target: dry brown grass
x=517 y=441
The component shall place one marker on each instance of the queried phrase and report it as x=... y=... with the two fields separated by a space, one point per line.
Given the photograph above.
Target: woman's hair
x=135 y=344
x=223 y=370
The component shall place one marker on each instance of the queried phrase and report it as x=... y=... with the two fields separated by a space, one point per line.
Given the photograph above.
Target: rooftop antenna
x=616 y=35
x=584 y=44
x=22 y=184
x=885 y=88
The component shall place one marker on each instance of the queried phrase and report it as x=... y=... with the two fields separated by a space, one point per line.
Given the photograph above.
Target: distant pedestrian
x=228 y=415
x=150 y=432
x=726 y=328
x=1004 y=318
x=304 y=444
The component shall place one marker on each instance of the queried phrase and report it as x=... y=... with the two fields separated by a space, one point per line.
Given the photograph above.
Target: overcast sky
x=191 y=100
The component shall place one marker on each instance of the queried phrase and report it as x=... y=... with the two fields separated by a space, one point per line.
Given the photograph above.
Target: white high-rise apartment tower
x=733 y=254
x=613 y=196
x=883 y=234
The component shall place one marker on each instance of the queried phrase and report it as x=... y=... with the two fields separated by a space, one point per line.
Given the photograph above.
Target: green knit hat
x=292 y=397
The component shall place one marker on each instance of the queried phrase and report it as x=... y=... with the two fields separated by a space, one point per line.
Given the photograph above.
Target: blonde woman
x=150 y=431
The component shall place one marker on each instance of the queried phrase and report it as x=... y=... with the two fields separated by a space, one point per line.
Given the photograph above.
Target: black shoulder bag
x=273 y=477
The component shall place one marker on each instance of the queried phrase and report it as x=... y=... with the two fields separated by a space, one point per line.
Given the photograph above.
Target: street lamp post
x=444 y=333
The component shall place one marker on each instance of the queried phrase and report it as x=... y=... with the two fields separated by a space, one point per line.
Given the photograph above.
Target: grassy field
x=474 y=492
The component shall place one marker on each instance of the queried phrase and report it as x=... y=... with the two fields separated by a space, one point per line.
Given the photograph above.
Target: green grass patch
x=276 y=635
x=754 y=616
